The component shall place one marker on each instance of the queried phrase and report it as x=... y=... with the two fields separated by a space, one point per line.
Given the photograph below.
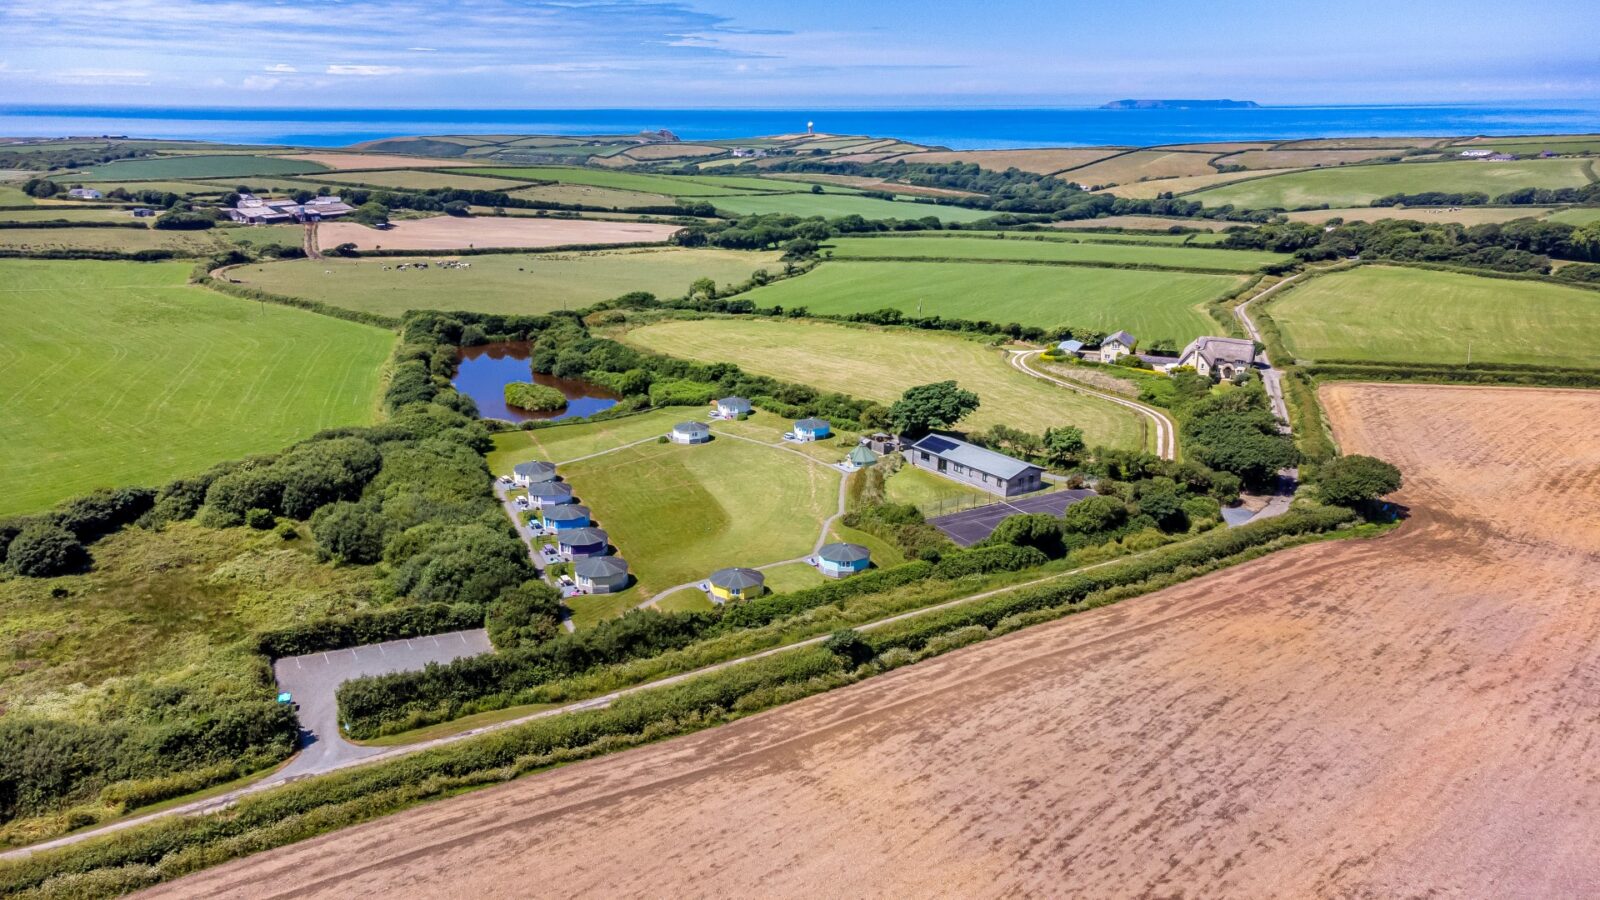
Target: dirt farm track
x=1415 y=715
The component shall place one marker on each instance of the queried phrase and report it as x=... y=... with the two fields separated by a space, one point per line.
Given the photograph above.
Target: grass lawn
x=121 y=240
x=1052 y=249
x=119 y=373
x=686 y=601
x=677 y=513
x=230 y=166
x=879 y=364
x=884 y=554
x=504 y=282
x=563 y=442
x=768 y=428
x=1391 y=314
x=832 y=205
x=1360 y=185
x=1156 y=306
x=931 y=493
x=792 y=577
x=670 y=185
x=1578 y=215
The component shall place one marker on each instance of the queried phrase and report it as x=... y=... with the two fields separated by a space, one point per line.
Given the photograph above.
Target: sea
x=960 y=129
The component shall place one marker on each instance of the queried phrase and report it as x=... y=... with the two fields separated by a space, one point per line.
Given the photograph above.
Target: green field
x=121 y=373
x=678 y=513
x=503 y=283
x=1360 y=185
x=121 y=240
x=10 y=196
x=1146 y=237
x=1578 y=215
x=834 y=205
x=589 y=195
x=67 y=213
x=200 y=167
x=671 y=185
x=1053 y=250
x=407 y=179
x=879 y=364
x=931 y=493
x=1154 y=306
x=1390 y=314
x=184 y=188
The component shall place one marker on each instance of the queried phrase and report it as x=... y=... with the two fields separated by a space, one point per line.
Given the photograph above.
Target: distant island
x=1182 y=104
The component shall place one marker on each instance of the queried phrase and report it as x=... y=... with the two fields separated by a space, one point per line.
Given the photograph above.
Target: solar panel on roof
x=935 y=444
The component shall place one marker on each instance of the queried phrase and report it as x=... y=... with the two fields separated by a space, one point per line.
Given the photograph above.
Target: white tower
x=811 y=128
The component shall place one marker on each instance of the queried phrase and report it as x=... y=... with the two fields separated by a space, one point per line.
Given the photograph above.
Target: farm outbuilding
x=565 y=517
x=733 y=407
x=533 y=472
x=1069 y=348
x=690 y=433
x=549 y=493
x=812 y=429
x=736 y=584
x=840 y=560
x=583 y=542
x=600 y=574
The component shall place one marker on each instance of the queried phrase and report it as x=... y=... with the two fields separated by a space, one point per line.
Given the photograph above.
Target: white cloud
x=423 y=49
x=281 y=69
x=259 y=83
x=364 y=70
x=133 y=77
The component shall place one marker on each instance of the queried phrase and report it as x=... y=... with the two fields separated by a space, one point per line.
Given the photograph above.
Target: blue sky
x=693 y=53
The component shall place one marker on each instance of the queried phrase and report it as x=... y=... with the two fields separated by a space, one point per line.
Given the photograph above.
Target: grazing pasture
x=831 y=205
x=65 y=213
x=1392 y=314
x=590 y=195
x=185 y=188
x=1360 y=185
x=171 y=167
x=1359 y=143
x=1581 y=215
x=121 y=373
x=878 y=364
x=867 y=183
x=460 y=232
x=1149 y=190
x=1052 y=248
x=1040 y=162
x=371 y=160
x=1155 y=306
x=503 y=283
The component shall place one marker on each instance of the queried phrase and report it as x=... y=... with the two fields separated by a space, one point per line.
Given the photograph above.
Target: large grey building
x=967 y=463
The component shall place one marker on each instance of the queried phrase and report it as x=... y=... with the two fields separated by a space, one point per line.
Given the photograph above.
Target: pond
x=482 y=373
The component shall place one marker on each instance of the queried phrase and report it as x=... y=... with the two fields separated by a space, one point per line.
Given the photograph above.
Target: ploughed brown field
x=1413 y=715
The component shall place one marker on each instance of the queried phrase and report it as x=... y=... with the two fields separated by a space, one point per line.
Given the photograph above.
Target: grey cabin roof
x=568 y=513
x=691 y=428
x=550 y=490
x=583 y=537
x=844 y=553
x=737 y=578
x=735 y=403
x=811 y=424
x=537 y=471
x=972 y=456
x=1213 y=349
x=600 y=567
x=862 y=455
x=1070 y=346
x=1121 y=337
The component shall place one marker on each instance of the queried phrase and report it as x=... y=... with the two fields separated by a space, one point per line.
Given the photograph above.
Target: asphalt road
x=1270 y=377
x=314 y=677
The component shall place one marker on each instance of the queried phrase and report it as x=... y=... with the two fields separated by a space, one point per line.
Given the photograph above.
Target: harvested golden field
x=672 y=151
x=453 y=233
x=377 y=161
x=1292 y=159
x=1406 y=716
x=1465 y=215
x=1148 y=190
x=1041 y=161
x=1141 y=164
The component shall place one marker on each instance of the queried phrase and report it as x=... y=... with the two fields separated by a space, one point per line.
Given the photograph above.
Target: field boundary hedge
x=243 y=292
x=1063 y=263
x=67 y=223
x=371 y=627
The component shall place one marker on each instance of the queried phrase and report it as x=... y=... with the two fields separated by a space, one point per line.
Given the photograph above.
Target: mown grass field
x=879 y=364
x=670 y=185
x=1391 y=314
x=170 y=167
x=1581 y=215
x=1154 y=306
x=1464 y=215
x=117 y=373
x=1052 y=249
x=407 y=179
x=564 y=442
x=831 y=205
x=930 y=493
x=503 y=283
x=1360 y=185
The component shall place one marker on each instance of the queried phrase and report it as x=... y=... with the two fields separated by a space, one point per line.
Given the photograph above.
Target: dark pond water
x=482 y=373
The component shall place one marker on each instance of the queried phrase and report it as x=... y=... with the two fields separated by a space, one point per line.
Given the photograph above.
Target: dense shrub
x=525 y=615
x=1354 y=480
x=461 y=563
x=388 y=624
x=43 y=550
x=537 y=397
x=349 y=532
x=1035 y=530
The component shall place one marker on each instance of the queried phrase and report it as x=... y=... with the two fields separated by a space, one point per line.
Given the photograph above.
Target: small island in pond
x=1182 y=104
x=536 y=397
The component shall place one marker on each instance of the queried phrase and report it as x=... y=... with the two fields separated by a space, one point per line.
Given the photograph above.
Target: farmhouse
x=733 y=407
x=967 y=463
x=736 y=584
x=549 y=493
x=253 y=210
x=580 y=543
x=1115 y=346
x=690 y=433
x=566 y=517
x=812 y=429
x=1217 y=357
x=841 y=560
x=525 y=474
x=84 y=194
x=860 y=458
x=600 y=574
x=1476 y=154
